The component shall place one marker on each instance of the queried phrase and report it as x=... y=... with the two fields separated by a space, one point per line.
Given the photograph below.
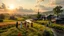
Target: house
x=60 y=19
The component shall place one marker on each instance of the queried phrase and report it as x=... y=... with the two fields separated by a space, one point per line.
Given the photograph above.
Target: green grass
x=8 y=20
x=5 y=28
x=53 y=25
x=42 y=21
x=56 y=26
x=20 y=19
x=36 y=30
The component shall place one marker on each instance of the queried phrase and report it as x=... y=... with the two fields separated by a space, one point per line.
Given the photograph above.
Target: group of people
x=26 y=24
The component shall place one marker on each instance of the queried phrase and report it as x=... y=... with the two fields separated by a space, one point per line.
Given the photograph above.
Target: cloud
x=60 y=2
x=25 y=10
x=43 y=8
x=38 y=1
x=54 y=3
x=49 y=5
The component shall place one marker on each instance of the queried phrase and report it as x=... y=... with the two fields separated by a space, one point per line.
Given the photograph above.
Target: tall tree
x=38 y=15
x=50 y=17
x=57 y=10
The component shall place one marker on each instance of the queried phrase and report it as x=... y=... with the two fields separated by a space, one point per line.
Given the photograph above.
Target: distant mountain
x=50 y=12
x=47 y=13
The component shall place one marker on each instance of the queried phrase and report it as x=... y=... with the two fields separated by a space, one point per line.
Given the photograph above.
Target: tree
x=57 y=10
x=12 y=18
x=38 y=15
x=47 y=33
x=2 y=16
x=50 y=17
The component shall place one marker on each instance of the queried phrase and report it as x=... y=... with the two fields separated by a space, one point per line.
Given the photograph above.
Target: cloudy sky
x=33 y=5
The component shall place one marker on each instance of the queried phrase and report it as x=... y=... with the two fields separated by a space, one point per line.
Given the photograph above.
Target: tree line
x=57 y=10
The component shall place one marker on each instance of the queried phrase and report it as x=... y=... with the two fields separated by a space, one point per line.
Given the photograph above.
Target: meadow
x=59 y=27
x=36 y=30
x=40 y=28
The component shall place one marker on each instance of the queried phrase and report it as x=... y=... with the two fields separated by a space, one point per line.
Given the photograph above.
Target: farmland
x=36 y=30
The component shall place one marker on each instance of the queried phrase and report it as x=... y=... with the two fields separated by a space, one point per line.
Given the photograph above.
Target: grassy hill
x=36 y=30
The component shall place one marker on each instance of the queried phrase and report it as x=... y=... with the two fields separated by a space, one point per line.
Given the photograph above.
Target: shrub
x=58 y=27
x=1 y=20
x=2 y=16
x=48 y=33
x=13 y=18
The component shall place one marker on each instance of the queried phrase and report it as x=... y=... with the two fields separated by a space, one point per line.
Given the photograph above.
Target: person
x=25 y=24
x=21 y=25
x=17 y=24
x=31 y=24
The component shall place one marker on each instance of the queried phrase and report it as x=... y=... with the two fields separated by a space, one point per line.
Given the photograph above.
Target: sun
x=11 y=7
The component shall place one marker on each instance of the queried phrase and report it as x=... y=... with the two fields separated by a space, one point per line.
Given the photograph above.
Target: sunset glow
x=11 y=7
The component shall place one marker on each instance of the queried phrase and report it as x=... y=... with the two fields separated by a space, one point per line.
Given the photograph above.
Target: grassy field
x=36 y=30
x=40 y=28
x=52 y=25
x=8 y=20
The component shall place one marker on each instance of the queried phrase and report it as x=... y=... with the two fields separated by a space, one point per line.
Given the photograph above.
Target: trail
x=58 y=33
x=55 y=32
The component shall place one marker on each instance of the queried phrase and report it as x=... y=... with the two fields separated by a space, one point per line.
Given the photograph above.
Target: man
x=31 y=24
x=17 y=24
x=25 y=24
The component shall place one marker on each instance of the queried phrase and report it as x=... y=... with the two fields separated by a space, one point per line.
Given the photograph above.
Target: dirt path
x=58 y=33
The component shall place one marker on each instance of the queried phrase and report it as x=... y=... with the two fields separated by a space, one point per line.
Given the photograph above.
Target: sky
x=33 y=5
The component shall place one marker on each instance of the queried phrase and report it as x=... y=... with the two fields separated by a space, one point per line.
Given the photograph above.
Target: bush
x=1 y=20
x=58 y=27
x=13 y=18
x=1 y=31
x=2 y=16
x=48 y=33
